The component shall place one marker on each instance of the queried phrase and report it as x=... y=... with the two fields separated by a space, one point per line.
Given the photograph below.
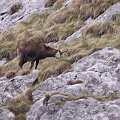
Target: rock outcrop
x=5 y=114
x=94 y=93
x=3 y=61
x=9 y=88
x=91 y=90
x=107 y=15
x=27 y=8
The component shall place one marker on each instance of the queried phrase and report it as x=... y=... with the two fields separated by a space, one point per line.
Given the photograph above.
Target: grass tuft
x=50 y=3
x=19 y=108
x=10 y=74
x=99 y=29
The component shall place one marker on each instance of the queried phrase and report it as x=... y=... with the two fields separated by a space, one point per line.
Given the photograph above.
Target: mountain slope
x=84 y=83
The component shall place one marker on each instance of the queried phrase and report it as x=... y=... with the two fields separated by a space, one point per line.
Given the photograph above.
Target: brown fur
x=34 y=51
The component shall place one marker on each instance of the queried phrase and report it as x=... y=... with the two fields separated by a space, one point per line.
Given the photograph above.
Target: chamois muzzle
x=59 y=53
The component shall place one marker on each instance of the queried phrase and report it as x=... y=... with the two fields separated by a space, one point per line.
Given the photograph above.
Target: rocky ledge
x=89 y=91
x=9 y=88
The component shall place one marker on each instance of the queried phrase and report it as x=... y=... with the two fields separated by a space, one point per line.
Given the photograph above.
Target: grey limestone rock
x=95 y=98
x=107 y=15
x=5 y=114
x=9 y=88
x=28 y=7
x=3 y=61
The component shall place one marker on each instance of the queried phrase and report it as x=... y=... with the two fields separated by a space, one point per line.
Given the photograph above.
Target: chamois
x=34 y=51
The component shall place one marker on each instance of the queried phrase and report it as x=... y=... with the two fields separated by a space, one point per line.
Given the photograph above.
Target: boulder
x=5 y=114
x=3 y=61
x=10 y=14
x=9 y=88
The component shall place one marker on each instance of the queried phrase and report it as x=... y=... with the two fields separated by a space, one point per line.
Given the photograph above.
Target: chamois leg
x=21 y=60
x=37 y=61
x=32 y=63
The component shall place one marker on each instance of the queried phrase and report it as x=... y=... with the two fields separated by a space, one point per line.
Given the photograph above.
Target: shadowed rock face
x=96 y=97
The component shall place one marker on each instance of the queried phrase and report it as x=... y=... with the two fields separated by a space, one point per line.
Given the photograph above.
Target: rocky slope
x=9 y=88
x=13 y=87
x=107 y=15
x=89 y=90
x=5 y=114
x=28 y=7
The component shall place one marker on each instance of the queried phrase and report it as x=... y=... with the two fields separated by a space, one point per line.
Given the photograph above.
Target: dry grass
x=50 y=3
x=82 y=10
x=21 y=104
x=24 y=72
x=53 y=26
x=10 y=74
x=19 y=108
x=76 y=50
x=103 y=98
x=116 y=19
x=7 y=35
x=106 y=35
x=52 y=36
x=62 y=16
x=50 y=68
x=93 y=8
x=99 y=29
x=26 y=95
x=58 y=4
x=73 y=82
x=10 y=66
x=49 y=27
